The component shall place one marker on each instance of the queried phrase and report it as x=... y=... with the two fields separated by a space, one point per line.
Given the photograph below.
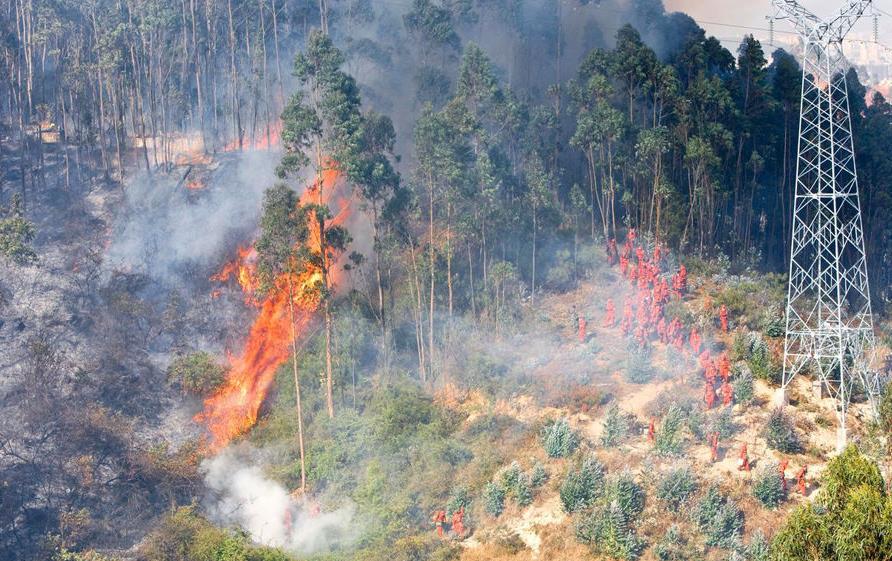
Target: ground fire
x=233 y=409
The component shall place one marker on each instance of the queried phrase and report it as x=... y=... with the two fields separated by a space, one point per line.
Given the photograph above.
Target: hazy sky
x=753 y=12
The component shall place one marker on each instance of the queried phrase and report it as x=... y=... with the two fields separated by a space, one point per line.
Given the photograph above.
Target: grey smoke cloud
x=241 y=495
x=165 y=230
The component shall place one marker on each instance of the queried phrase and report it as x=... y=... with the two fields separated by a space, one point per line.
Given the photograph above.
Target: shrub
x=510 y=476
x=780 y=433
x=457 y=499
x=806 y=534
x=608 y=533
x=16 y=233
x=761 y=360
x=516 y=484
x=676 y=487
x=718 y=518
x=192 y=537
x=616 y=427
x=493 y=499
x=624 y=492
x=538 y=475
x=758 y=549
x=744 y=391
x=846 y=472
x=559 y=439
x=767 y=486
x=722 y=422
x=671 y=546
x=885 y=410
x=775 y=325
x=638 y=367
x=197 y=373
x=740 y=346
x=522 y=491
x=583 y=486
x=669 y=439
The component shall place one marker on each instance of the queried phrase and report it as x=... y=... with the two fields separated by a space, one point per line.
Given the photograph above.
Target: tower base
x=779 y=398
x=841 y=439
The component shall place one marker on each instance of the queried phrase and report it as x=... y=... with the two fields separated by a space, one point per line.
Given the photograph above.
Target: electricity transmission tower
x=828 y=315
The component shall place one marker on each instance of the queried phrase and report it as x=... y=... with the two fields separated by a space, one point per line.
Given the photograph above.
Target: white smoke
x=164 y=229
x=242 y=496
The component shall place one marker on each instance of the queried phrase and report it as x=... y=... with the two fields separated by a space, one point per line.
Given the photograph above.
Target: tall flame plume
x=233 y=409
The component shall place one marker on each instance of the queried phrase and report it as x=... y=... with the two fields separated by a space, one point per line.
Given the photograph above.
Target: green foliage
x=197 y=373
x=759 y=357
x=609 y=527
x=583 y=486
x=722 y=422
x=616 y=426
x=669 y=440
x=89 y=555
x=626 y=494
x=774 y=322
x=676 y=487
x=457 y=499
x=608 y=532
x=846 y=472
x=853 y=518
x=780 y=433
x=559 y=439
x=805 y=536
x=16 y=234
x=759 y=549
x=538 y=475
x=672 y=546
x=183 y=534
x=494 y=499
x=744 y=390
x=639 y=369
x=767 y=486
x=718 y=518
x=401 y=413
x=517 y=484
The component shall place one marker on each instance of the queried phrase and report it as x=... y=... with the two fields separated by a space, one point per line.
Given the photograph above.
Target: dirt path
x=546 y=514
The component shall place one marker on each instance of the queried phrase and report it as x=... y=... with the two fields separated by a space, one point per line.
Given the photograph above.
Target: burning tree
x=284 y=276
x=321 y=125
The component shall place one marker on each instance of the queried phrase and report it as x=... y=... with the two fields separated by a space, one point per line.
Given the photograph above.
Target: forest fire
x=234 y=408
x=261 y=140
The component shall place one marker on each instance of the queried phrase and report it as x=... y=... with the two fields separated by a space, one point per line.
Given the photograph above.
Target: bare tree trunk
x=432 y=263
x=300 y=422
x=419 y=316
x=449 y=254
x=236 y=106
x=329 y=400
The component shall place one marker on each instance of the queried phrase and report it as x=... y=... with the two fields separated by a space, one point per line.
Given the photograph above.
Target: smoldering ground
x=239 y=494
x=172 y=233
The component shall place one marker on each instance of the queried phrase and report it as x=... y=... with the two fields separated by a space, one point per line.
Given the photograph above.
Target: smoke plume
x=242 y=496
x=167 y=230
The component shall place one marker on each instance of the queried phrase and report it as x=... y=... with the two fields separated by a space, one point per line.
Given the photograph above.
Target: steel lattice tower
x=828 y=315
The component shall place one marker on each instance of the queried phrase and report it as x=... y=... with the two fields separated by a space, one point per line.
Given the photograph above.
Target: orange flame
x=234 y=408
x=261 y=140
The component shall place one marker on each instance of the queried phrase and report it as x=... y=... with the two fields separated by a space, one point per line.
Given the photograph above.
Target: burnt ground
x=88 y=422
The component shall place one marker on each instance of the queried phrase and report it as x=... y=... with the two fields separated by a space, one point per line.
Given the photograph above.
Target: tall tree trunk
x=432 y=263
x=236 y=106
x=419 y=314
x=300 y=422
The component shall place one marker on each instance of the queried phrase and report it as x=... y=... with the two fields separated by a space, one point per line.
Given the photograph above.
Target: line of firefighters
x=457 y=528
x=647 y=321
